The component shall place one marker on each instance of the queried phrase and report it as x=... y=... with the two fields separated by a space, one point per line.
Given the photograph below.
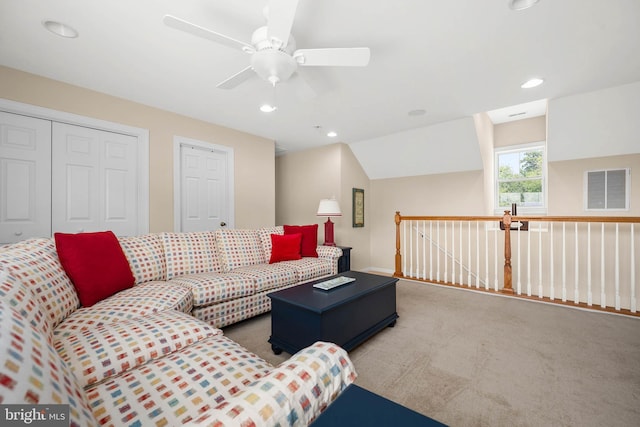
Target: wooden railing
x=589 y=262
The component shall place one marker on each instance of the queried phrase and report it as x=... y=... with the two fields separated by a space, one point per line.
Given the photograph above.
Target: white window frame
x=627 y=189
x=522 y=210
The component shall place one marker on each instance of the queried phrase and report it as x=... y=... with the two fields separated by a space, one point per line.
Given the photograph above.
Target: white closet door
x=94 y=181
x=25 y=177
x=203 y=188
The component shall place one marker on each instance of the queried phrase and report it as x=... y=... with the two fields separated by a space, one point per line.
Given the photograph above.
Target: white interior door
x=94 y=180
x=204 y=196
x=25 y=177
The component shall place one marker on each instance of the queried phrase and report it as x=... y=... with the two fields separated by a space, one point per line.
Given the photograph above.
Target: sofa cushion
x=95 y=263
x=108 y=350
x=210 y=288
x=146 y=257
x=31 y=372
x=203 y=375
x=21 y=299
x=309 y=238
x=312 y=268
x=285 y=247
x=239 y=248
x=269 y=276
x=140 y=300
x=265 y=238
x=35 y=263
x=190 y=253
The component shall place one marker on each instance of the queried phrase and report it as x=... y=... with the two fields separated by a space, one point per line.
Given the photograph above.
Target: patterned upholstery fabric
x=269 y=276
x=31 y=372
x=239 y=248
x=290 y=395
x=21 y=299
x=233 y=311
x=140 y=300
x=35 y=262
x=265 y=238
x=106 y=351
x=311 y=268
x=203 y=376
x=208 y=289
x=146 y=257
x=190 y=253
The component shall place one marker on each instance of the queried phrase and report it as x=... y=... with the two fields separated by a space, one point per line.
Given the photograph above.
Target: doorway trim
x=141 y=134
x=177 y=194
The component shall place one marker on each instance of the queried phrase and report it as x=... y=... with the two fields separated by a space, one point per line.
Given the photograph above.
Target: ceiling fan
x=274 y=56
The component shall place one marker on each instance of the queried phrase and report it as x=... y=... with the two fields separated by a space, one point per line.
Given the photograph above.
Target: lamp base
x=328 y=233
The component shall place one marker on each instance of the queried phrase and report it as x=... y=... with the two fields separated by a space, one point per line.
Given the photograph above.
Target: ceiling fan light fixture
x=521 y=4
x=531 y=83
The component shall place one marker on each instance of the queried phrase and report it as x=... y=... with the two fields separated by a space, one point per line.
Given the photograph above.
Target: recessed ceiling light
x=418 y=112
x=266 y=108
x=60 y=29
x=332 y=134
x=532 y=83
x=521 y=4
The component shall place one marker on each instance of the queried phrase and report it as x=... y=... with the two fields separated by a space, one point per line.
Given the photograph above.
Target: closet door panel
x=25 y=177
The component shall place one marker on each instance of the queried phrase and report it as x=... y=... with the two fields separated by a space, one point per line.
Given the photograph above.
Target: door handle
x=223 y=224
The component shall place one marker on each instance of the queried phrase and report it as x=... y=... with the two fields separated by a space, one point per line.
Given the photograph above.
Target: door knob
x=18 y=233
x=223 y=224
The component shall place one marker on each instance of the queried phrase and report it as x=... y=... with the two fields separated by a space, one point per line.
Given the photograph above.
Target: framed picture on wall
x=358 y=207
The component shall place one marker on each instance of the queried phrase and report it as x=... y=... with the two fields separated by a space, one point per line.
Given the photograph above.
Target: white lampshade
x=329 y=207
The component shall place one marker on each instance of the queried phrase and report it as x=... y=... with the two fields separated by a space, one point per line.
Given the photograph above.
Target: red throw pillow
x=285 y=247
x=95 y=263
x=309 y=238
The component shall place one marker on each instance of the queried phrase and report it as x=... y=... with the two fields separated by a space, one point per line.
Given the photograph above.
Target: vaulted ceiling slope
x=451 y=59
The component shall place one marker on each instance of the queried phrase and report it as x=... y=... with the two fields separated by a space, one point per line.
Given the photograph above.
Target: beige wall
x=520 y=132
x=303 y=178
x=566 y=184
x=254 y=156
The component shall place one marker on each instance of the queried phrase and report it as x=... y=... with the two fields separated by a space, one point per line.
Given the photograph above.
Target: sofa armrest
x=293 y=394
x=329 y=252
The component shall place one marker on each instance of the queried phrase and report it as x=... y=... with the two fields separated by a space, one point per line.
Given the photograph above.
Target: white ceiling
x=450 y=58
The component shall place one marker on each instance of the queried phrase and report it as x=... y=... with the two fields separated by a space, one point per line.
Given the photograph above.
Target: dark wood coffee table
x=346 y=315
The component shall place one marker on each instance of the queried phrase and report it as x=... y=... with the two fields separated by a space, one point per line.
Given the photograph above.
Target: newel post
x=506 y=220
x=398 y=272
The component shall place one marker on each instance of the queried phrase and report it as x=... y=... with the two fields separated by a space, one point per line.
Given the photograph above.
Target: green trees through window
x=520 y=177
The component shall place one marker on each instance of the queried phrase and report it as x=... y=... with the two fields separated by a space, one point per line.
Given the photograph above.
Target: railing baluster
x=438 y=253
x=518 y=265
x=496 y=282
x=469 y=256
x=486 y=256
x=589 y=292
x=564 y=262
x=411 y=249
x=430 y=250
x=617 y=268
x=453 y=252
x=552 y=291
x=446 y=254
x=576 y=270
x=461 y=258
x=540 y=289
x=477 y=255
x=404 y=249
x=529 y=264
x=633 y=272
x=424 y=249
x=603 y=295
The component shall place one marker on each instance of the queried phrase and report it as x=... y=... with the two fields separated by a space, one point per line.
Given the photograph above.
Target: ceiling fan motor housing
x=272 y=61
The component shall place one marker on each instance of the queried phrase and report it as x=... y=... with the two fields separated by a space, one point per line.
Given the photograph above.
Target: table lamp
x=328 y=208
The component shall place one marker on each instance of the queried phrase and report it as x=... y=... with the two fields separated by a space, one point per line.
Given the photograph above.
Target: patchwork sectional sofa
x=153 y=353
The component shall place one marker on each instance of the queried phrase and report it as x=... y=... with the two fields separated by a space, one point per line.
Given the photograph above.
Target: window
x=520 y=178
x=607 y=189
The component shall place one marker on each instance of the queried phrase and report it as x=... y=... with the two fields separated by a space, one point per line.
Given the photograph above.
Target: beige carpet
x=471 y=359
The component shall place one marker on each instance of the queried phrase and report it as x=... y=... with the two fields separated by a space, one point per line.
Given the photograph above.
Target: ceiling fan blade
x=196 y=30
x=236 y=79
x=333 y=57
x=280 y=19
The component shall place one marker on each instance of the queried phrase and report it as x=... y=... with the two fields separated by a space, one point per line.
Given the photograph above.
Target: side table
x=344 y=262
